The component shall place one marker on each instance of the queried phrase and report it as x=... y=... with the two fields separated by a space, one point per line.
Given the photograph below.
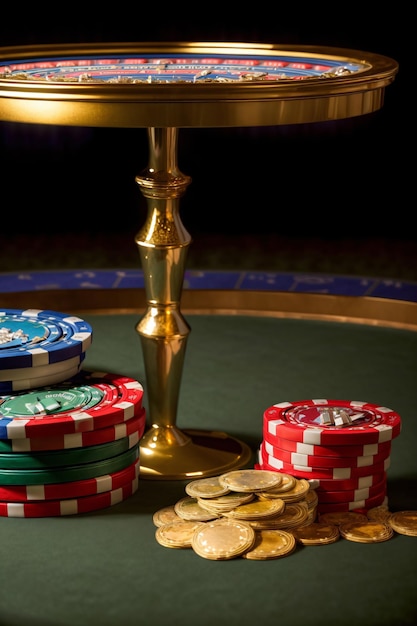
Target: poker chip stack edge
x=69 y=438
x=40 y=347
x=342 y=447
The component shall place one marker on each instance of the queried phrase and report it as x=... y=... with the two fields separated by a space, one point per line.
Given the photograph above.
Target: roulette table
x=251 y=349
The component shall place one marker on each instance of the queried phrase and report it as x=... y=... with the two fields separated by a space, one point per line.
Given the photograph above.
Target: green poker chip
x=51 y=401
x=71 y=473
x=64 y=458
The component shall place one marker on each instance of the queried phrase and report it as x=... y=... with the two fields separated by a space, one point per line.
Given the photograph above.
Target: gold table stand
x=163 y=242
x=354 y=87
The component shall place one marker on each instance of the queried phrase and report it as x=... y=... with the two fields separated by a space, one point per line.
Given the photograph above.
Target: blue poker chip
x=45 y=375
x=20 y=373
x=34 y=338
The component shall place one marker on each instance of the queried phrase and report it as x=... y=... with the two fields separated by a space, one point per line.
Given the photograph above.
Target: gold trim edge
x=333 y=308
x=197 y=105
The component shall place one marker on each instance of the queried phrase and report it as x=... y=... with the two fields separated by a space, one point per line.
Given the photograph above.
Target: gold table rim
x=246 y=103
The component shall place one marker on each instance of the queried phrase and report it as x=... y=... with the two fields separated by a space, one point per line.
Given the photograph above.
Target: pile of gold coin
x=261 y=514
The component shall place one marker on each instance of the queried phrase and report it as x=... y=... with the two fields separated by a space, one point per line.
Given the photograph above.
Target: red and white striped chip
x=352 y=495
x=359 y=505
x=290 y=445
x=318 y=462
x=332 y=422
x=362 y=482
x=336 y=473
x=136 y=424
x=71 y=506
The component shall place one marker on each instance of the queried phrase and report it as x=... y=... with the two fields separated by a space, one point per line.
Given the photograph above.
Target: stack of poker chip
x=342 y=447
x=39 y=348
x=69 y=438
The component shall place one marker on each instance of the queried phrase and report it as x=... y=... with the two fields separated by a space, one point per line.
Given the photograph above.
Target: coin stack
x=247 y=513
x=261 y=515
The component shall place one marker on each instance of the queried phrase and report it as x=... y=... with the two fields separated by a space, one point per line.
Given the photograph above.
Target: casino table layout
x=248 y=350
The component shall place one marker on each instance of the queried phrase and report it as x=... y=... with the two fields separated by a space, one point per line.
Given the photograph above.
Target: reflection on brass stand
x=166 y=451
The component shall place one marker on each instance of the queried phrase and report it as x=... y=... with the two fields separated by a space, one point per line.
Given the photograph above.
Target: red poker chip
x=351 y=495
x=123 y=407
x=79 y=440
x=74 y=489
x=332 y=422
x=359 y=505
x=324 y=484
x=336 y=473
x=324 y=461
x=349 y=484
x=370 y=449
x=71 y=506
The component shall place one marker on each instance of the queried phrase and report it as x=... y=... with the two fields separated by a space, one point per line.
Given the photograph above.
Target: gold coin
x=226 y=502
x=206 y=488
x=404 y=522
x=341 y=517
x=271 y=544
x=317 y=534
x=166 y=515
x=379 y=513
x=250 y=480
x=287 y=483
x=223 y=539
x=311 y=517
x=366 y=532
x=257 y=509
x=293 y=516
x=177 y=534
x=311 y=498
x=298 y=492
x=188 y=508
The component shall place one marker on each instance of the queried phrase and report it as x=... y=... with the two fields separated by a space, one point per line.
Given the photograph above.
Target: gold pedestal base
x=168 y=453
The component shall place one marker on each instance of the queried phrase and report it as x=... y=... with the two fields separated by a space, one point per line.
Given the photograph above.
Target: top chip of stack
x=332 y=422
x=40 y=348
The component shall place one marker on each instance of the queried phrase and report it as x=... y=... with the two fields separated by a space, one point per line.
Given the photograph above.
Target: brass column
x=166 y=451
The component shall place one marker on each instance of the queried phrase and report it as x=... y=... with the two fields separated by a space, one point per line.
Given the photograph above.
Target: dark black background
x=344 y=178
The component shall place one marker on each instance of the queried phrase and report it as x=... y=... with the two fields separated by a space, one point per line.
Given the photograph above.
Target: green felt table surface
x=106 y=567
